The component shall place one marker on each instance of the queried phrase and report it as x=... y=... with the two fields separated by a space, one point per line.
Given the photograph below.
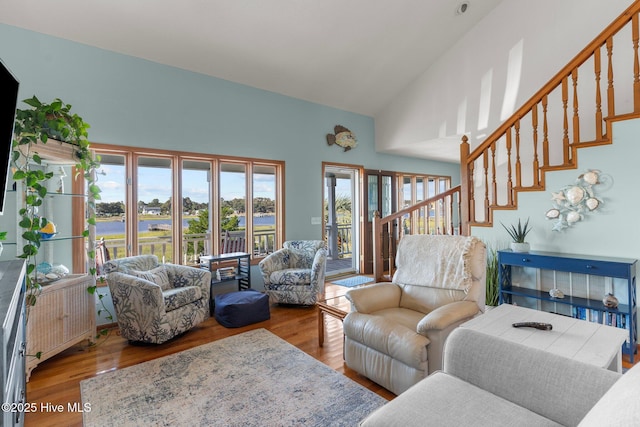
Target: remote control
x=537 y=325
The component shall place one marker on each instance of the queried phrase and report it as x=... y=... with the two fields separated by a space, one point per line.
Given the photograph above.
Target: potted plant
x=52 y=123
x=492 y=288
x=3 y=236
x=518 y=235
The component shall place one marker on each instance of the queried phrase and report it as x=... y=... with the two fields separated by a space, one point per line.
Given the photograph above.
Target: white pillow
x=158 y=276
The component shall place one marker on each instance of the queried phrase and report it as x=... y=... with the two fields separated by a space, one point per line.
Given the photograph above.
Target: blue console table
x=623 y=268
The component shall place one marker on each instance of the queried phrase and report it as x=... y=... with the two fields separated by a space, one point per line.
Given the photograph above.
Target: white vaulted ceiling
x=354 y=55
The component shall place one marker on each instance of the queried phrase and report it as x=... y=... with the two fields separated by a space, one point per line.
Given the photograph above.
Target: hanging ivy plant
x=38 y=125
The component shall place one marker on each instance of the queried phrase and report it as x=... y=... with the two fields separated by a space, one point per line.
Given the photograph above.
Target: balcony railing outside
x=343 y=239
x=193 y=245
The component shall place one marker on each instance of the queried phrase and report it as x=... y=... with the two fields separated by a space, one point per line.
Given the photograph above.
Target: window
x=136 y=214
x=154 y=194
x=265 y=215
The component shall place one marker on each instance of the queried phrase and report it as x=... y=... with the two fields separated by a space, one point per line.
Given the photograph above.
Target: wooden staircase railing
x=546 y=132
x=542 y=135
x=437 y=215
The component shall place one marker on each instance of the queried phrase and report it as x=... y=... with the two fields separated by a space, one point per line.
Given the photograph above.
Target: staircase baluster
x=636 y=66
x=536 y=162
x=509 y=178
x=565 y=131
x=494 y=182
x=576 y=118
x=596 y=65
x=424 y=213
x=611 y=108
x=472 y=193
x=485 y=159
x=518 y=164
x=450 y=215
x=545 y=132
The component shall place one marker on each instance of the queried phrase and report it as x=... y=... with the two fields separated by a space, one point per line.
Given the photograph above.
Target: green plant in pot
x=518 y=235
x=492 y=288
x=3 y=236
x=41 y=124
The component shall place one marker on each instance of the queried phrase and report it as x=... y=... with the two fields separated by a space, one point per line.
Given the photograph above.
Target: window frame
x=131 y=155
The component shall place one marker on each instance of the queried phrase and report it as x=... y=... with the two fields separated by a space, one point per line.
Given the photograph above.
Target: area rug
x=350 y=282
x=251 y=379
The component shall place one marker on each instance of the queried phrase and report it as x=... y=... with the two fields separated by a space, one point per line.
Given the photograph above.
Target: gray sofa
x=487 y=381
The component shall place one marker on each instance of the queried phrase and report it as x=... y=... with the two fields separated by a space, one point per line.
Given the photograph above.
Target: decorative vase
x=610 y=301
x=520 y=247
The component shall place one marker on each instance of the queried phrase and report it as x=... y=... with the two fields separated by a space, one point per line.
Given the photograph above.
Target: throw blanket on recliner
x=435 y=261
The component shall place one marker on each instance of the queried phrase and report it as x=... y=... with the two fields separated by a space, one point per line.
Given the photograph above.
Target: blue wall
x=133 y=102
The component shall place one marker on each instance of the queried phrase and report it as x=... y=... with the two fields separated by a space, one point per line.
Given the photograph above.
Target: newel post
x=464 y=187
x=378 y=262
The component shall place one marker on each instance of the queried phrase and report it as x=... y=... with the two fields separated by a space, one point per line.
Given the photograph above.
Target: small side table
x=337 y=307
x=242 y=273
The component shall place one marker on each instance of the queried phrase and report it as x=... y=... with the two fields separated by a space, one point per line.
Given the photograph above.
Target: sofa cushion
x=157 y=275
x=442 y=399
x=179 y=297
x=425 y=299
x=391 y=332
x=620 y=406
x=291 y=276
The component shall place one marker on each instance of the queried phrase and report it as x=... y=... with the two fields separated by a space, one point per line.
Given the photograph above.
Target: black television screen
x=8 y=104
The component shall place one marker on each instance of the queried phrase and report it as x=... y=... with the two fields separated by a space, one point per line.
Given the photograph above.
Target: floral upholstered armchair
x=295 y=273
x=155 y=302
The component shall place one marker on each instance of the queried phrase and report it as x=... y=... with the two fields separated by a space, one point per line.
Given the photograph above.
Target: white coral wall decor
x=571 y=203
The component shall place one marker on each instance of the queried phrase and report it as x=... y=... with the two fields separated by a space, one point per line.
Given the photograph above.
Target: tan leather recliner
x=395 y=331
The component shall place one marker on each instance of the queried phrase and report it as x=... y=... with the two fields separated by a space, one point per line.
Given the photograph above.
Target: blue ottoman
x=236 y=309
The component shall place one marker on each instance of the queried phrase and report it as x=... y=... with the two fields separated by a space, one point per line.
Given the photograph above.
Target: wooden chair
x=235 y=243
x=102 y=256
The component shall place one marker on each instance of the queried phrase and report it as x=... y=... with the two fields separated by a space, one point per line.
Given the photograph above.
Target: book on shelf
x=225 y=273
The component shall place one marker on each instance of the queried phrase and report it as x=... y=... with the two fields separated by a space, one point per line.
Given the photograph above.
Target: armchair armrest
x=135 y=292
x=183 y=275
x=446 y=315
x=318 y=269
x=278 y=260
x=371 y=298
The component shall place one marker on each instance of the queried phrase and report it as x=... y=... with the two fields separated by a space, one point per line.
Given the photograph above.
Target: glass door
x=380 y=196
x=340 y=219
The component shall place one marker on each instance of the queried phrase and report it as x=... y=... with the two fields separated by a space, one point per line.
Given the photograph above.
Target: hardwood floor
x=57 y=380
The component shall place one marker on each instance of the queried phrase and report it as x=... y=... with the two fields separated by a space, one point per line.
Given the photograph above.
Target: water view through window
x=136 y=214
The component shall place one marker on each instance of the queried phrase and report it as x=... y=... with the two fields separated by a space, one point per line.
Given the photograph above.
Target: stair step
x=503 y=207
x=558 y=167
x=531 y=188
x=480 y=224
x=594 y=143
